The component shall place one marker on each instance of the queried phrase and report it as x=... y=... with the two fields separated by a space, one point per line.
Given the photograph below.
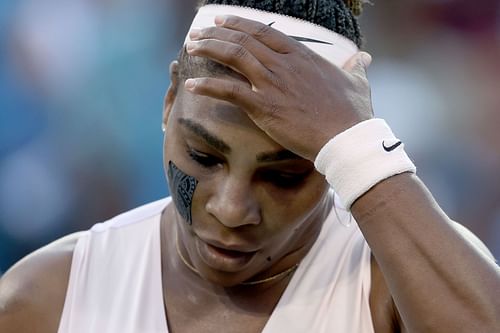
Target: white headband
x=334 y=47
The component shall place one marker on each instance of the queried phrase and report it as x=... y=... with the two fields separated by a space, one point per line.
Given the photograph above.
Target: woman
x=253 y=239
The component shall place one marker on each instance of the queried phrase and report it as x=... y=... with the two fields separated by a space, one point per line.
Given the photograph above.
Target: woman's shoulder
x=32 y=292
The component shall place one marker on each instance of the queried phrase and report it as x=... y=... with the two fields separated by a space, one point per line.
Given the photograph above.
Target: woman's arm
x=439 y=279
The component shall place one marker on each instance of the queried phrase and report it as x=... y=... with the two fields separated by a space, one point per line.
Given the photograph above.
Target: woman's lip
x=228 y=252
x=236 y=248
x=223 y=259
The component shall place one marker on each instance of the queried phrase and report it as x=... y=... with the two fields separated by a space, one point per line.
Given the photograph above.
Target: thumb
x=358 y=63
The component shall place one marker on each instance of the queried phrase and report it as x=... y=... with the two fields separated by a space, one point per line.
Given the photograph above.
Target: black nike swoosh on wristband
x=392 y=147
x=305 y=39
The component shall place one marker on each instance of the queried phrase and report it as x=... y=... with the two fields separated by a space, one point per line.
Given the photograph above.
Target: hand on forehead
x=297 y=97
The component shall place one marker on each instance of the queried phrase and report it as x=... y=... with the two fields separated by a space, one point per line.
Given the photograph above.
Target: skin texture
x=32 y=292
x=239 y=201
x=398 y=217
x=426 y=275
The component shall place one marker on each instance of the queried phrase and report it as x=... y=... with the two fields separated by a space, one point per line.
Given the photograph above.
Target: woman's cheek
x=182 y=187
x=292 y=208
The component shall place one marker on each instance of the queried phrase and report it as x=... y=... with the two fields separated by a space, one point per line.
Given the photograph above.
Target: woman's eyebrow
x=219 y=144
x=202 y=132
x=280 y=155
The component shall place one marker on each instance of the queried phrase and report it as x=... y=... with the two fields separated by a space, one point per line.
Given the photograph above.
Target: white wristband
x=360 y=157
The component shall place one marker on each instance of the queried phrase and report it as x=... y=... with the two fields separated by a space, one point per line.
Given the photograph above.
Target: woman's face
x=256 y=204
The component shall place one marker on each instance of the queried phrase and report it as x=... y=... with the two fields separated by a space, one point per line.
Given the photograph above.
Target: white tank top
x=115 y=284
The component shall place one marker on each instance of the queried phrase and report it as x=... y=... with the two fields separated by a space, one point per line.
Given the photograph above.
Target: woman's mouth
x=223 y=259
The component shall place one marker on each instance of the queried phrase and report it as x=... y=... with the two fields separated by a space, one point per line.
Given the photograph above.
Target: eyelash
x=284 y=180
x=204 y=160
x=277 y=178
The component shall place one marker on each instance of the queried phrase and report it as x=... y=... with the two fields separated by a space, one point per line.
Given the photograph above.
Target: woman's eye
x=283 y=179
x=203 y=159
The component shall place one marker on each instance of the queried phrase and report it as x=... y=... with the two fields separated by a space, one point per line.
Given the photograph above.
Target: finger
x=233 y=91
x=235 y=56
x=263 y=53
x=272 y=38
x=358 y=64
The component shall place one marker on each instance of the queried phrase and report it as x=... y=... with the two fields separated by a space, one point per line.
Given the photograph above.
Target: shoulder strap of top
x=115 y=280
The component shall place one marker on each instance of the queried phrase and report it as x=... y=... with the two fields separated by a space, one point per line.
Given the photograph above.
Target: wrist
x=358 y=158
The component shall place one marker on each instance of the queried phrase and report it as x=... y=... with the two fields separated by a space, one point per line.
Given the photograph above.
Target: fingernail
x=219 y=19
x=366 y=58
x=194 y=33
x=190 y=46
x=190 y=84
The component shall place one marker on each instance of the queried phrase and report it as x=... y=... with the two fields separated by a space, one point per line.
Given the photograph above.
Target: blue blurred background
x=81 y=93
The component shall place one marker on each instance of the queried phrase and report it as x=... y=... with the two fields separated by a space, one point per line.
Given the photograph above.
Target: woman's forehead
x=222 y=119
x=212 y=111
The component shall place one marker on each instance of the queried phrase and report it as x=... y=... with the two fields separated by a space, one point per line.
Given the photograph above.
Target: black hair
x=336 y=15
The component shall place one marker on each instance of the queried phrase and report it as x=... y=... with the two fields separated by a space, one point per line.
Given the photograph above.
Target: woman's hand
x=297 y=97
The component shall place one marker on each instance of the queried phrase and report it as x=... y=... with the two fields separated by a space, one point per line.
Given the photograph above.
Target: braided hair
x=336 y=15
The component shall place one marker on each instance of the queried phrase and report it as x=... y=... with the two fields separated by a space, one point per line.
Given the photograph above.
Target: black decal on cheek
x=182 y=188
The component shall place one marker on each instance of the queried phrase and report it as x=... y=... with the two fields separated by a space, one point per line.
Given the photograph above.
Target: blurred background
x=81 y=93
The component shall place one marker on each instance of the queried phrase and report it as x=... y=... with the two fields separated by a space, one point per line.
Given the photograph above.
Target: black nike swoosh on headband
x=305 y=39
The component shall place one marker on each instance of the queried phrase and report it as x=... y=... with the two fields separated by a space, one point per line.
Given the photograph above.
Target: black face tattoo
x=182 y=188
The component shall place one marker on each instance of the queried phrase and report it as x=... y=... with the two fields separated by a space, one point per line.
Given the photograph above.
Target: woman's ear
x=169 y=99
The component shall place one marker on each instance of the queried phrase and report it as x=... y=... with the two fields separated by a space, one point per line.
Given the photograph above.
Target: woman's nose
x=233 y=203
